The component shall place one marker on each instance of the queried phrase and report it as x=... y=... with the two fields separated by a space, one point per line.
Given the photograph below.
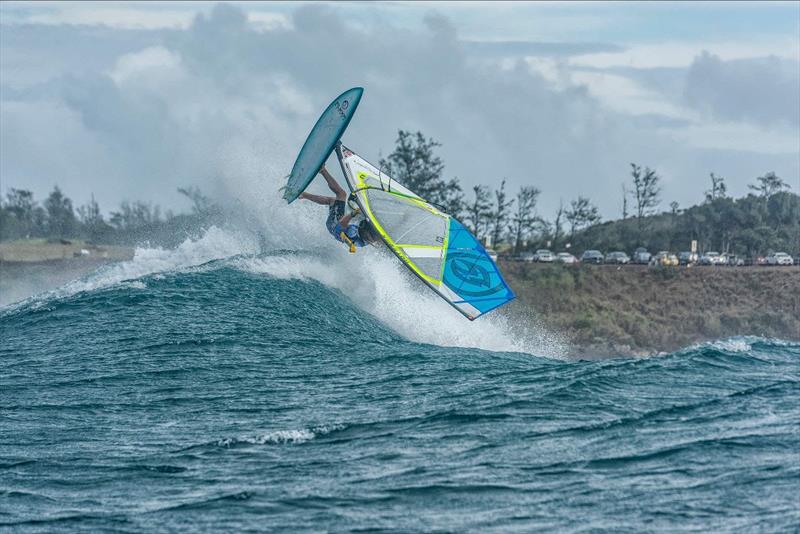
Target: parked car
x=665 y=258
x=641 y=256
x=592 y=256
x=566 y=257
x=761 y=260
x=545 y=256
x=780 y=258
x=686 y=258
x=619 y=258
x=712 y=258
x=492 y=254
x=731 y=260
x=527 y=256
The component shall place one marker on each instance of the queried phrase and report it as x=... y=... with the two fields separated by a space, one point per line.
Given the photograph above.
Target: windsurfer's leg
x=333 y=184
x=319 y=199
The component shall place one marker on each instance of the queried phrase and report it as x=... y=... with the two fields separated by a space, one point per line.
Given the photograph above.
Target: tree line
x=767 y=219
x=23 y=217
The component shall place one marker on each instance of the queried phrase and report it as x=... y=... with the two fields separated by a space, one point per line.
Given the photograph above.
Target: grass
x=661 y=308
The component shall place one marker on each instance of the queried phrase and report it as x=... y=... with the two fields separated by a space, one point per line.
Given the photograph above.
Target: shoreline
x=606 y=310
x=601 y=310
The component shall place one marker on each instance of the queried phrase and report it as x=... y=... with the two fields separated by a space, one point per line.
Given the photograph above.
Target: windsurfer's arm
x=344 y=222
x=319 y=199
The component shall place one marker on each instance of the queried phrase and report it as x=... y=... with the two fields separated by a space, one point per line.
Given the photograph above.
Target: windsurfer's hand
x=323 y=170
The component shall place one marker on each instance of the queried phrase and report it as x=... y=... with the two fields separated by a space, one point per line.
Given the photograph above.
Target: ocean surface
x=221 y=387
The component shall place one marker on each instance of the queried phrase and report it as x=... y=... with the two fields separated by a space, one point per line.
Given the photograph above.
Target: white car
x=780 y=258
x=566 y=257
x=492 y=254
x=712 y=258
x=544 y=256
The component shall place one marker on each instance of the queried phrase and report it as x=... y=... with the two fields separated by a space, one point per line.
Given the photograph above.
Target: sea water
x=223 y=387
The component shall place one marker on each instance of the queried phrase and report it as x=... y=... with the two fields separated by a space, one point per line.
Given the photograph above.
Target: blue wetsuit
x=336 y=212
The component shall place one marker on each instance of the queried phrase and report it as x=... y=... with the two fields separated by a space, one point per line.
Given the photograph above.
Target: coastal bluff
x=638 y=310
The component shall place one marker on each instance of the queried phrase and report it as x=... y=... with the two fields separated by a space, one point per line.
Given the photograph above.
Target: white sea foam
x=733 y=344
x=281 y=436
x=214 y=244
x=372 y=278
x=377 y=283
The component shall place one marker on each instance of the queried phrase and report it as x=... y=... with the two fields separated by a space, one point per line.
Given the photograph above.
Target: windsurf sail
x=321 y=141
x=431 y=243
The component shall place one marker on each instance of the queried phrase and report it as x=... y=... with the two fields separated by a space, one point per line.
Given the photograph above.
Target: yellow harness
x=349 y=242
x=344 y=236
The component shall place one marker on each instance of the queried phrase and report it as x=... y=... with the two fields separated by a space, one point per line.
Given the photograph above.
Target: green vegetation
x=764 y=221
x=749 y=226
x=55 y=220
x=605 y=309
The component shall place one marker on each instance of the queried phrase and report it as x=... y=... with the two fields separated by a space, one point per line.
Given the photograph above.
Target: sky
x=129 y=101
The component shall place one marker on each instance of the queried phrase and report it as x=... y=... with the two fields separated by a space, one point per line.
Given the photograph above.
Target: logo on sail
x=469 y=277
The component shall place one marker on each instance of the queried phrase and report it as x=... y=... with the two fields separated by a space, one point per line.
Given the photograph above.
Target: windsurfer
x=339 y=224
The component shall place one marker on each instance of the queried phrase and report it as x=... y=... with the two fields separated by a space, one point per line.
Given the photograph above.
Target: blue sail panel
x=471 y=274
x=321 y=142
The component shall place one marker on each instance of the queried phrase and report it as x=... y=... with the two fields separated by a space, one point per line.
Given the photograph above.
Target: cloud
x=682 y=54
x=225 y=105
x=500 y=49
x=763 y=90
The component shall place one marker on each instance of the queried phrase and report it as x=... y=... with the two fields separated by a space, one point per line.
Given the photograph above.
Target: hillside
x=749 y=226
x=633 y=309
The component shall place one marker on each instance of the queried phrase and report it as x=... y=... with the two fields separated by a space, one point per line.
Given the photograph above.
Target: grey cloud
x=242 y=101
x=34 y=53
x=669 y=81
x=497 y=49
x=761 y=90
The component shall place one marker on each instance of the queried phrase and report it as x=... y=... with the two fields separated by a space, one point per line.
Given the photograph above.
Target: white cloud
x=115 y=17
x=130 y=15
x=625 y=95
x=740 y=136
x=682 y=54
x=225 y=103
x=139 y=63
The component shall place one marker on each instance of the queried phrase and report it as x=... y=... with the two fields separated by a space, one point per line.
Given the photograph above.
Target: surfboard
x=321 y=142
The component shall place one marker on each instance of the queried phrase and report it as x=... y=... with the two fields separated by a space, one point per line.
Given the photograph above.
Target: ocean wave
x=279 y=437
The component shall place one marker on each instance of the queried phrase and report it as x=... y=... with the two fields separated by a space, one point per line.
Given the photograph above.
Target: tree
x=453 y=198
x=646 y=192
x=479 y=211
x=769 y=184
x=136 y=215
x=499 y=215
x=524 y=219
x=21 y=208
x=94 y=226
x=624 y=202
x=414 y=164
x=60 y=215
x=201 y=204
x=558 y=222
x=582 y=213
x=717 y=188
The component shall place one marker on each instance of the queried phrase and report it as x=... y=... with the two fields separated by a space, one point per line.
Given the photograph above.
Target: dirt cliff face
x=607 y=309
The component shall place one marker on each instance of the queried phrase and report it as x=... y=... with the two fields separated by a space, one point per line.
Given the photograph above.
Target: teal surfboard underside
x=321 y=142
